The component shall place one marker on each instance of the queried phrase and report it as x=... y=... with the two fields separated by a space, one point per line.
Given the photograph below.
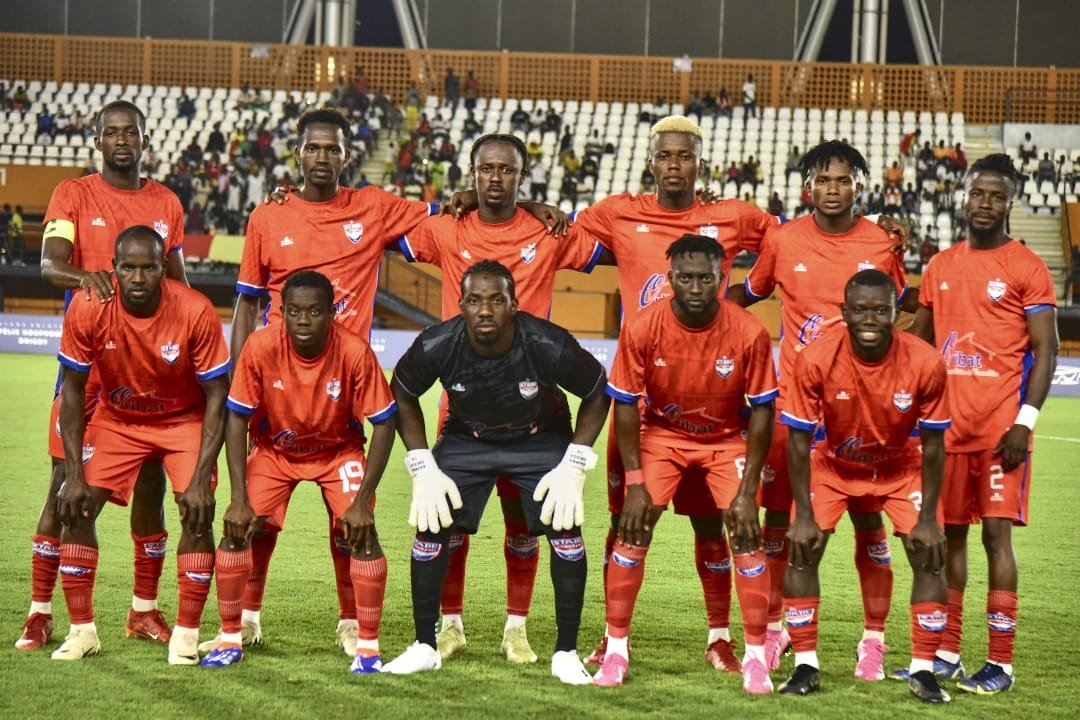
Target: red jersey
x=811 y=268
x=343 y=239
x=981 y=300
x=90 y=213
x=638 y=231
x=521 y=244
x=150 y=368
x=868 y=409
x=696 y=381
x=313 y=407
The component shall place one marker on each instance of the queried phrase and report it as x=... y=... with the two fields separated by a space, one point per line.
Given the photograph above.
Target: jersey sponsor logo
x=523 y=546
x=799 y=267
x=570 y=549
x=934 y=622
x=709 y=231
x=772 y=547
x=162 y=228
x=528 y=389
x=642 y=228
x=424 y=551
x=155 y=549
x=1001 y=622
x=866 y=265
x=724 y=366
x=46 y=550
x=203 y=578
x=652 y=290
x=126 y=398
x=98 y=222
x=74 y=570
x=799 y=617
x=333 y=389
x=286 y=241
x=87 y=453
x=724 y=566
x=852 y=449
x=354 y=231
x=528 y=253
x=170 y=352
x=964 y=356
x=623 y=561
x=671 y=411
x=879 y=553
x=752 y=571
x=995 y=289
x=902 y=401
x=811 y=328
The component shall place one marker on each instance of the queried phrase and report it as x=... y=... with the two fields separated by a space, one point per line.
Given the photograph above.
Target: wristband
x=417 y=461
x=1027 y=416
x=635 y=477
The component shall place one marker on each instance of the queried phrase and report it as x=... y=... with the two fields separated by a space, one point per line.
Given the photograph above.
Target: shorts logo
x=424 y=551
x=74 y=570
x=614 y=480
x=724 y=366
x=772 y=548
x=333 y=389
x=799 y=617
x=623 y=561
x=652 y=290
x=934 y=622
x=162 y=228
x=902 y=401
x=752 y=571
x=203 y=578
x=995 y=290
x=999 y=622
x=709 y=231
x=528 y=389
x=768 y=474
x=724 y=566
x=354 y=231
x=879 y=553
x=155 y=549
x=523 y=546
x=46 y=550
x=571 y=548
x=170 y=352
x=528 y=253
x=87 y=453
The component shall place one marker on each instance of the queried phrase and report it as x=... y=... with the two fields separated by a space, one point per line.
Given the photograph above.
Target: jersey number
x=996 y=475
x=916 y=500
x=352 y=470
x=740 y=466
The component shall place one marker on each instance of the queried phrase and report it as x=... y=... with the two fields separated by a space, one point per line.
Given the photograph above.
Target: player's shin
x=341 y=553
x=368 y=574
x=233 y=568
x=569 y=570
x=78 y=569
x=194 y=574
x=752 y=585
x=44 y=565
x=1001 y=612
x=522 y=554
x=263 y=543
x=150 y=551
x=453 y=593
x=625 y=575
x=873 y=562
x=428 y=571
x=775 y=545
x=713 y=560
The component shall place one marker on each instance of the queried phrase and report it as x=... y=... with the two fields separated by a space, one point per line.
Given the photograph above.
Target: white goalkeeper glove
x=563 y=486
x=429 y=511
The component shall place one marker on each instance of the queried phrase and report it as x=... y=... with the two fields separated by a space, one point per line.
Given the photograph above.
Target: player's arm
x=245 y=316
x=591 y=415
x=410 y=417
x=56 y=267
x=927 y=536
x=807 y=540
x=909 y=302
x=634 y=526
x=197 y=502
x=742 y=516
x=239 y=521
x=1042 y=332
x=737 y=294
x=174 y=266
x=73 y=501
x=923 y=326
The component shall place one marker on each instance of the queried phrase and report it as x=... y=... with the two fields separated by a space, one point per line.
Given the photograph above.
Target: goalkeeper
x=501 y=370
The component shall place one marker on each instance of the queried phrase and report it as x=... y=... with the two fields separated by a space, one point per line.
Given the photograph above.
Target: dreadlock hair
x=120 y=105
x=512 y=140
x=689 y=244
x=310 y=279
x=818 y=158
x=493 y=268
x=325 y=116
x=999 y=163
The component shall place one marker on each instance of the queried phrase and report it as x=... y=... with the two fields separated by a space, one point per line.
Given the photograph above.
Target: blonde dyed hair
x=676 y=124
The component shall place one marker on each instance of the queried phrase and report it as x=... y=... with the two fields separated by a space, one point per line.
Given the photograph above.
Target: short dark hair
x=136 y=232
x=999 y=163
x=490 y=267
x=819 y=157
x=325 y=116
x=310 y=279
x=688 y=244
x=120 y=105
x=513 y=140
x=871 y=277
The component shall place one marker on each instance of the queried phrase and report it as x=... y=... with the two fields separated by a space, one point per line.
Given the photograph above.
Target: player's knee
x=866 y=521
x=997 y=536
x=708 y=526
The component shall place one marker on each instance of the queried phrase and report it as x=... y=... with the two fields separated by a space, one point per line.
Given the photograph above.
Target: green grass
x=299 y=672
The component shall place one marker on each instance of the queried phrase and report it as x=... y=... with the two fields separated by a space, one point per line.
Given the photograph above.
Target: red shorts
x=718 y=470
x=835 y=489
x=271 y=479
x=113 y=452
x=976 y=486
x=506 y=489
x=775 y=486
x=56 y=443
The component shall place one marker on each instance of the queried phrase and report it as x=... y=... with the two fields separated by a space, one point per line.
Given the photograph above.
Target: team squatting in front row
x=695 y=396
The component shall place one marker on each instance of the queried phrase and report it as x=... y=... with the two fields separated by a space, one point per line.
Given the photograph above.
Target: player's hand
x=280 y=194
x=562 y=489
x=898 y=231
x=429 y=511
x=706 y=196
x=927 y=536
x=197 y=508
x=634 y=525
x=97 y=283
x=555 y=220
x=806 y=541
x=73 y=502
x=240 y=521
x=742 y=521
x=359 y=526
x=1012 y=447
x=461 y=204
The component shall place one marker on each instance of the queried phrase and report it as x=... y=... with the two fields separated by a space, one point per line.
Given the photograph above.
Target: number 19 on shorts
x=352 y=475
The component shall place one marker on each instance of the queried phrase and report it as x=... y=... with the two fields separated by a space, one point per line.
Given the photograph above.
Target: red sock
x=150 y=551
x=194 y=573
x=802 y=622
x=874 y=563
x=369 y=585
x=1001 y=607
x=453 y=589
x=774 y=543
x=626 y=570
x=928 y=622
x=341 y=554
x=609 y=545
x=950 y=641
x=752 y=585
x=233 y=568
x=262 y=547
x=44 y=564
x=713 y=560
x=522 y=553
x=78 y=568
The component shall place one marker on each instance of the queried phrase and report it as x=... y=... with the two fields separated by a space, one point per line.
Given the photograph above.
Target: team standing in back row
x=696 y=421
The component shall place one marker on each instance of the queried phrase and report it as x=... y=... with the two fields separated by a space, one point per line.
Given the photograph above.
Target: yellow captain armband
x=60 y=228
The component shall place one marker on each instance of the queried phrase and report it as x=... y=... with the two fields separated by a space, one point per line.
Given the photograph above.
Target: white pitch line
x=1055 y=437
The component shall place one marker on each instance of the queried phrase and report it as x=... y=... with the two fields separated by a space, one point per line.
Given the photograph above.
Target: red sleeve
x=802 y=407
x=245 y=392
x=761 y=384
x=933 y=408
x=77 y=338
x=599 y=220
x=580 y=250
x=208 y=350
x=928 y=289
x=761 y=280
x=626 y=383
x=753 y=224
x=60 y=204
x=399 y=216
x=1038 y=290
x=254 y=274
x=421 y=244
x=175 y=241
x=898 y=274
x=373 y=400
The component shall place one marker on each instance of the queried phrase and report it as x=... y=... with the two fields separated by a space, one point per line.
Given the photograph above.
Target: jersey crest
x=333 y=389
x=354 y=231
x=528 y=253
x=170 y=352
x=995 y=290
x=724 y=366
x=902 y=401
x=528 y=389
x=709 y=231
